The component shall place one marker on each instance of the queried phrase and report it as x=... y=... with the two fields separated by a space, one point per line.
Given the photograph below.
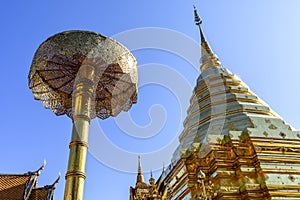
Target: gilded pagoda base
x=244 y=165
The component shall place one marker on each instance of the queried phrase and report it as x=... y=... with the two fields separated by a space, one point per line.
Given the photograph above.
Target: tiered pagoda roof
x=233 y=146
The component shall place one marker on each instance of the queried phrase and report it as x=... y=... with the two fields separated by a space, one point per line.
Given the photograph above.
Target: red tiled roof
x=39 y=194
x=24 y=186
x=12 y=187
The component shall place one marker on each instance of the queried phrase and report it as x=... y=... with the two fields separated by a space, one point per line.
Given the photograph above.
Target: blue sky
x=257 y=40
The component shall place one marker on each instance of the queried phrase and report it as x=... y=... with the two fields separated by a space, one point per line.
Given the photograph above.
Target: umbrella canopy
x=67 y=58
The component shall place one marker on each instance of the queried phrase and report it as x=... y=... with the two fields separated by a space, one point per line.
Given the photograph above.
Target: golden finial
x=198 y=20
x=139 y=164
x=208 y=58
x=140 y=177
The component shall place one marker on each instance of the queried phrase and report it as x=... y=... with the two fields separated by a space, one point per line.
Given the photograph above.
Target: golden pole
x=63 y=75
x=82 y=106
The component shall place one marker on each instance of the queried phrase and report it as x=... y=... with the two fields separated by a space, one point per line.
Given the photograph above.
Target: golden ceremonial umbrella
x=83 y=75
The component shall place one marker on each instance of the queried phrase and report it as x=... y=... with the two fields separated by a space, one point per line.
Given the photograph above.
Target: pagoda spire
x=208 y=58
x=140 y=176
x=151 y=180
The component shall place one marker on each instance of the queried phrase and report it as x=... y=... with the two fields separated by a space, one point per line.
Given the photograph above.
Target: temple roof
x=24 y=187
x=39 y=193
x=13 y=186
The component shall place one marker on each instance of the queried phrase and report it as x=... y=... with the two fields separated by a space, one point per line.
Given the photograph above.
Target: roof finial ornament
x=37 y=172
x=208 y=58
x=198 y=20
x=56 y=181
x=140 y=177
x=52 y=187
x=139 y=165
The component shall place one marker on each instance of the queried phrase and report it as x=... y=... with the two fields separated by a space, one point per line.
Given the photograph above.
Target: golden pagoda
x=233 y=145
x=142 y=190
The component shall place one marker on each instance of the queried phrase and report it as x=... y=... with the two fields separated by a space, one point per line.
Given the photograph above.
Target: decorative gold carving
x=273 y=127
x=268 y=121
x=282 y=134
x=292 y=178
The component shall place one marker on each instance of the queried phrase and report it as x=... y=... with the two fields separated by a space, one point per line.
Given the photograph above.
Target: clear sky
x=257 y=40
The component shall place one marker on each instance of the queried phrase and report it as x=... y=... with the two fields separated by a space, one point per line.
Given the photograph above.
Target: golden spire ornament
x=83 y=75
x=208 y=58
